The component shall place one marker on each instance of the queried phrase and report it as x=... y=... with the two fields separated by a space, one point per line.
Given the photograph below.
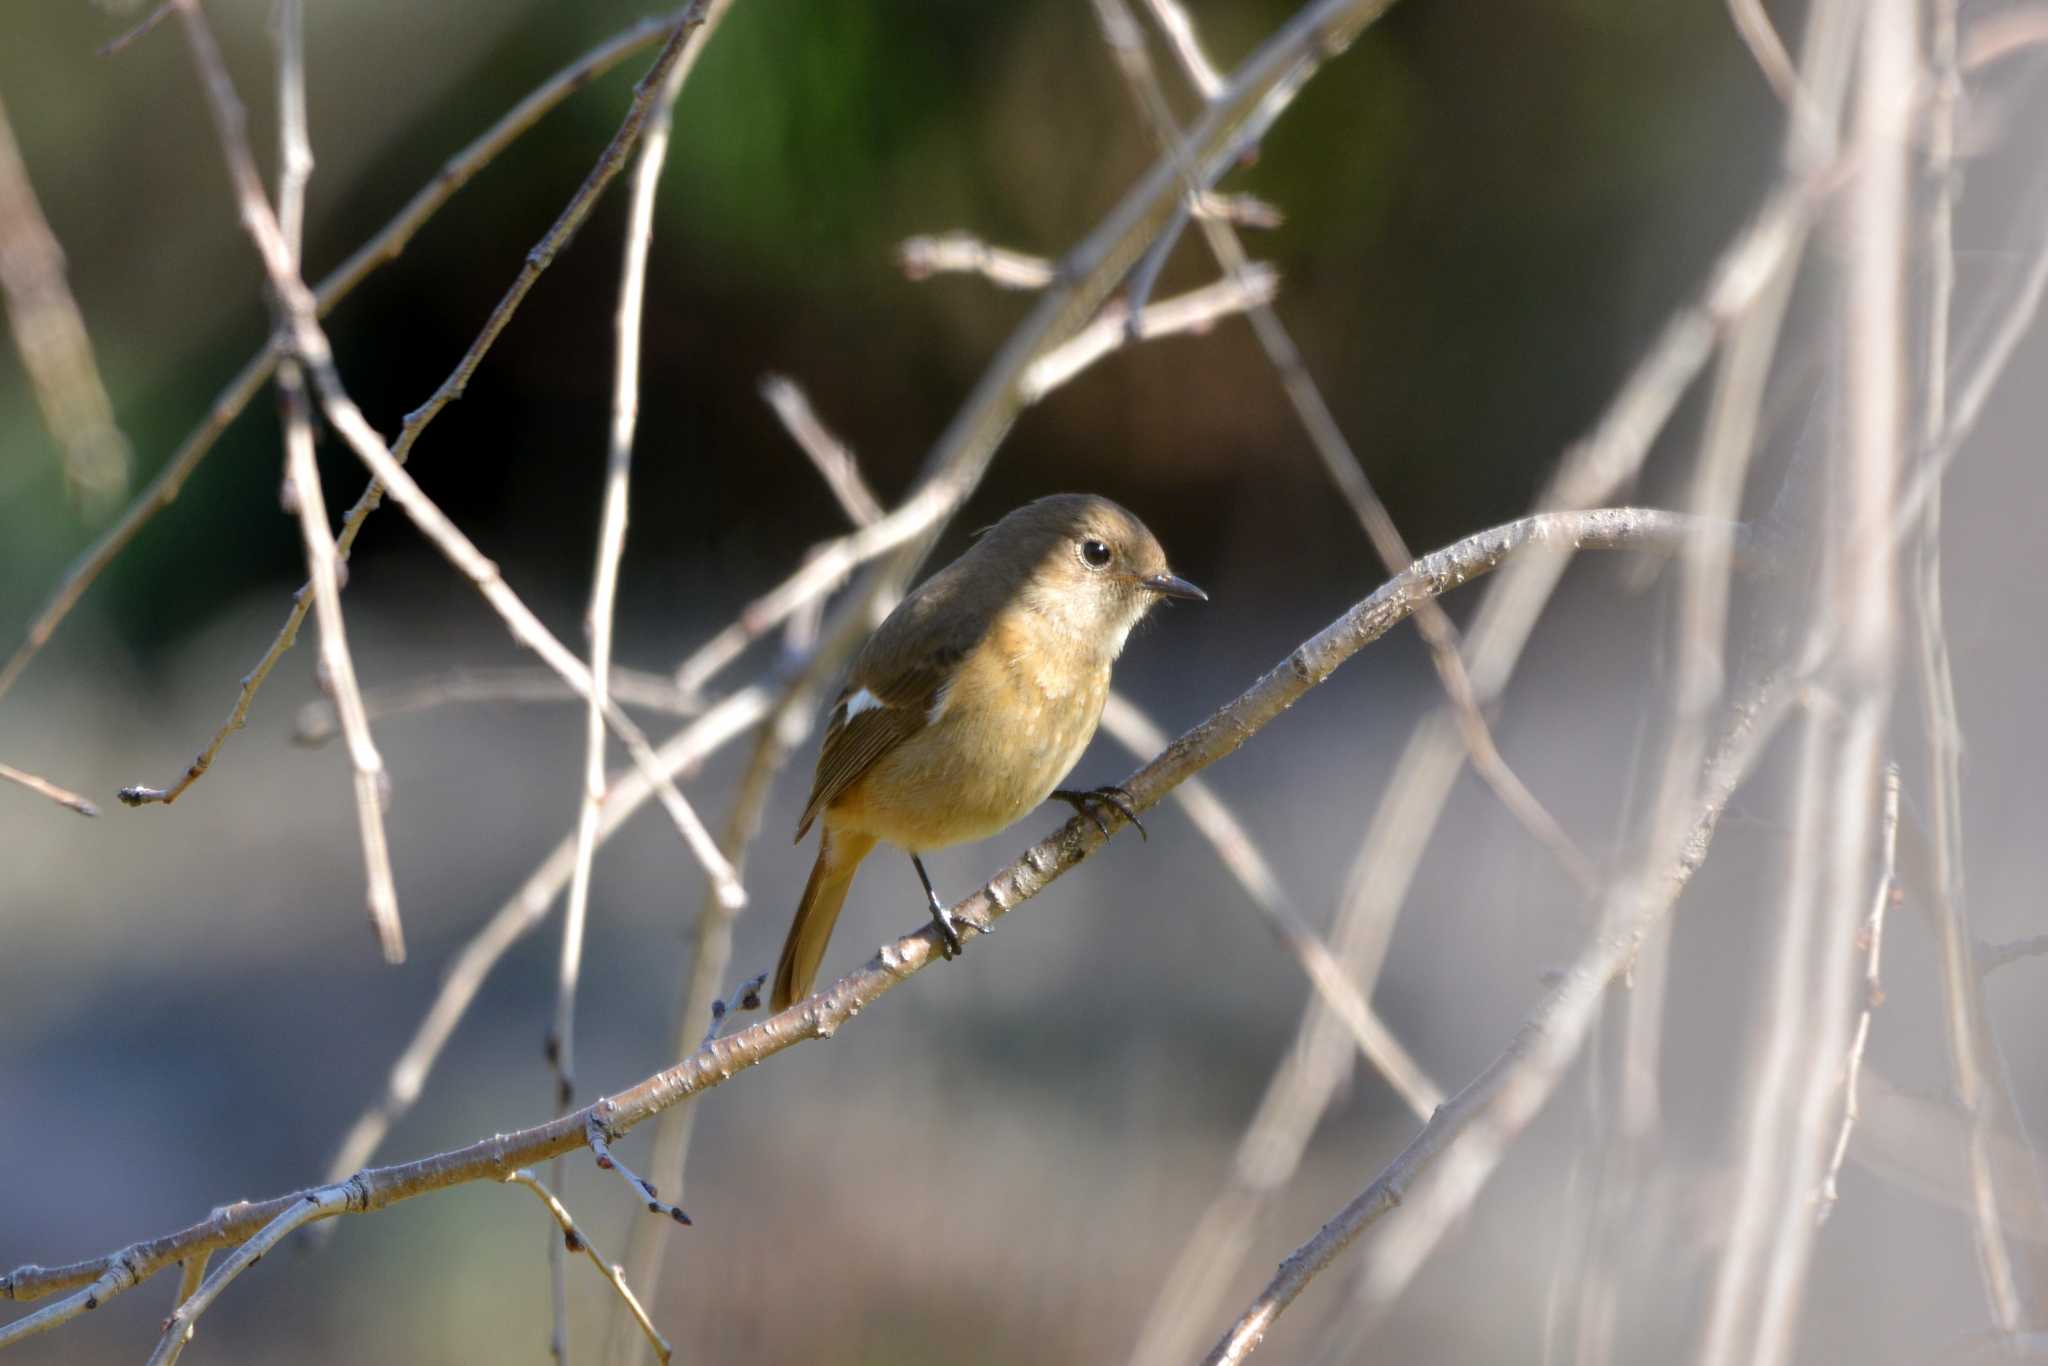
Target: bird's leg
x=1085 y=803
x=949 y=929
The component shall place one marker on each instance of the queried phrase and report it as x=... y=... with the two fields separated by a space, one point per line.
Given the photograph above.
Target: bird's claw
x=950 y=943
x=1113 y=795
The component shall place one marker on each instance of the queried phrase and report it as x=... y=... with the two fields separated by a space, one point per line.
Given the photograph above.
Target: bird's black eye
x=1094 y=554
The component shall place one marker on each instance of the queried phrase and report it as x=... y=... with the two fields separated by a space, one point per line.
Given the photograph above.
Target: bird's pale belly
x=999 y=747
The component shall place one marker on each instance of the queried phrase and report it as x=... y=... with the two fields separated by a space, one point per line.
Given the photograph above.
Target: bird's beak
x=1174 y=586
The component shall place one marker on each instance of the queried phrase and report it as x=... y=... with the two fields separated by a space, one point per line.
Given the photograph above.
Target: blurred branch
x=1501 y=1100
x=44 y=787
x=963 y=253
x=520 y=913
x=1407 y=816
x=317 y=723
x=833 y=458
x=1135 y=731
x=1116 y=326
x=303 y=495
x=1992 y=957
x=1340 y=462
x=49 y=331
x=1977 y=1067
x=822 y=1015
x=1187 y=46
x=574 y=1240
x=383 y=247
x=1873 y=990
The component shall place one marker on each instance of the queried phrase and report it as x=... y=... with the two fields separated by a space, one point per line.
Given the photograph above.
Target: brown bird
x=973 y=699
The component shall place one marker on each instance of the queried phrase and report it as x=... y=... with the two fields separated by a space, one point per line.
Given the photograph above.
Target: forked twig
x=575 y=1240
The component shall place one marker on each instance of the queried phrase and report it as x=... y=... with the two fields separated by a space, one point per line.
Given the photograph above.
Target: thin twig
x=611 y=549
x=1873 y=989
x=323 y=1203
x=304 y=494
x=114 y=46
x=575 y=1240
x=963 y=253
x=598 y=1138
x=1180 y=34
x=44 y=787
x=1117 y=326
x=383 y=247
x=821 y=1016
x=317 y=723
x=833 y=458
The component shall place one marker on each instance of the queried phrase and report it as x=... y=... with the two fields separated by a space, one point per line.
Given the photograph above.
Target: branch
x=574 y=1240
x=1283 y=63
x=1503 y=1097
x=822 y=1015
x=1340 y=462
x=44 y=787
x=304 y=495
x=56 y=350
x=311 y=345
x=383 y=247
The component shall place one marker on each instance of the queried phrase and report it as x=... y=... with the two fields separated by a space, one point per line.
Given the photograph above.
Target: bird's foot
x=1088 y=803
x=950 y=943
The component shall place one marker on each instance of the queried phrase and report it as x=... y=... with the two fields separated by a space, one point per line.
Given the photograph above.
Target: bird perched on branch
x=973 y=700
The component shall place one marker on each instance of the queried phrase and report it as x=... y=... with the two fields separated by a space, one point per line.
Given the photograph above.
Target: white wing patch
x=939 y=700
x=860 y=702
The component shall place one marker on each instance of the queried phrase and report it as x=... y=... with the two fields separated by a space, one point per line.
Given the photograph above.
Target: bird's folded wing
x=872 y=716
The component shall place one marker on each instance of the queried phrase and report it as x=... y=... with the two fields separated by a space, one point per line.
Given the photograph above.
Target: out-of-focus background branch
x=1485 y=218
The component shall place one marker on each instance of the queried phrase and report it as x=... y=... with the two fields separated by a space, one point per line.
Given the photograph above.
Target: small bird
x=973 y=700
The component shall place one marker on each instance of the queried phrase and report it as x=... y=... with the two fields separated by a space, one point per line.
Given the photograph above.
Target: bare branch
x=312 y=347
x=44 y=787
x=304 y=494
x=822 y=1015
x=522 y=912
x=317 y=723
x=964 y=253
x=833 y=458
x=1507 y=1094
x=575 y=1240
x=1340 y=462
x=303 y=1209
x=1873 y=990
x=385 y=246
x=1136 y=732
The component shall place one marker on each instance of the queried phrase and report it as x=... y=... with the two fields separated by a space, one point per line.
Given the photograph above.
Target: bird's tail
x=839 y=855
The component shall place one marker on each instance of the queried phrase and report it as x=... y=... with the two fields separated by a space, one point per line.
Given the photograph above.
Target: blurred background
x=1489 y=212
